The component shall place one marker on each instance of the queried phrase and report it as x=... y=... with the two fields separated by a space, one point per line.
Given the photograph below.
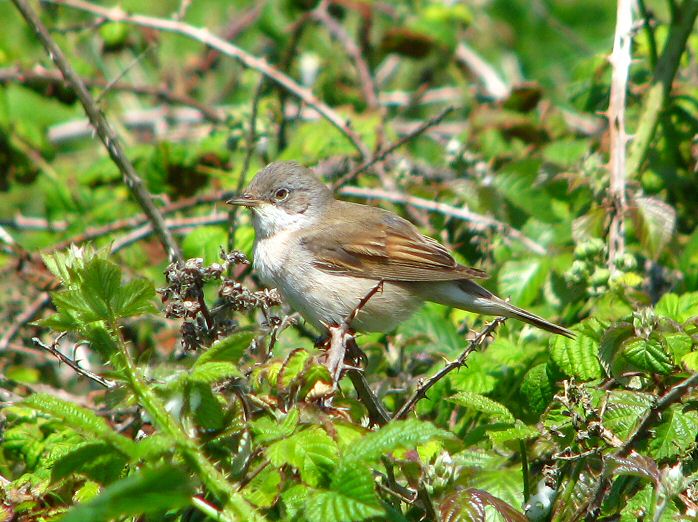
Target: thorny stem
x=424 y=387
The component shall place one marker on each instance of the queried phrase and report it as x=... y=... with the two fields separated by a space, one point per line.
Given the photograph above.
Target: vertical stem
x=683 y=18
x=524 y=471
x=620 y=61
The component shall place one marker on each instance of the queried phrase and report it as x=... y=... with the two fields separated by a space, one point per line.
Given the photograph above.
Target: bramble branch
x=424 y=387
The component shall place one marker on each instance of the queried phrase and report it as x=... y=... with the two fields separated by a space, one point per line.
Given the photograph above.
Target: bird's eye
x=281 y=194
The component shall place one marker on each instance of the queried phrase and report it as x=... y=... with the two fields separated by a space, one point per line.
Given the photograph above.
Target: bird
x=324 y=255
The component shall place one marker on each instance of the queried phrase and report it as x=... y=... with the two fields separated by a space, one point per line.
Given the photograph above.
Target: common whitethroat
x=325 y=255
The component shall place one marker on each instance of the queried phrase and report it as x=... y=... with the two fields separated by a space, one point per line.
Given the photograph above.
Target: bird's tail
x=468 y=295
x=533 y=319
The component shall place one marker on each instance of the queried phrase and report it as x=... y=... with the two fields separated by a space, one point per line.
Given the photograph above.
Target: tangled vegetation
x=146 y=375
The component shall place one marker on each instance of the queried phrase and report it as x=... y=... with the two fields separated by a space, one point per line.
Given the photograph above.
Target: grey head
x=282 y=194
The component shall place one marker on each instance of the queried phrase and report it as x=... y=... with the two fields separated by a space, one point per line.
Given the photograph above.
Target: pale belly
x=325 y=299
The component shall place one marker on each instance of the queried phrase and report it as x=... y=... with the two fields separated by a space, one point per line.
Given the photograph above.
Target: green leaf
x=639 y=504
x=610 y=346
x=679 y=343
x=214 y=371
x=312 y=452
x=101 y=280
x=263 y=489
x=399 y=434
x=523 y=280
x=518 y=432
x=690 y=361
x=96 y=460
x=352 y=498
x=148 y=491
x=292 y=367
x=206 y=243
x=517 y=181
x=81 y=419
x=266 y=429
x=624 y=409
x=229 y=349
x=676 y=434
x=678 y=308
x=577 y=357
x=209 y=412
x=293 y=499
x=134 y=298
x=431 y=331
x=505 y=484
x=648 y=354
x=538 y=388
x=474 y=401
x=468 y=505
x=654 y=223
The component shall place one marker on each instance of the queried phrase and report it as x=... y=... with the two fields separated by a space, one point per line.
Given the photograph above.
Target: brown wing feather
x=393 y=250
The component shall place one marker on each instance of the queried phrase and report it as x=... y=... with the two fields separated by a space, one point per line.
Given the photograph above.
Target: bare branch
x=424 y=387
x=385 y=152
x=53 y=350
x=104 y=130
x=248 y=60
x=448 y=210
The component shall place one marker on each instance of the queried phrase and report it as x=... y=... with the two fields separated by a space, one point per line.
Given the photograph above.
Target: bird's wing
x=393 y=250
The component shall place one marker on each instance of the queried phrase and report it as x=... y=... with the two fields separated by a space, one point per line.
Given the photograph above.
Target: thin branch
x=146 y=230
x=104 y=130
x=672 y=396
x=251 y=144
x=425 y=386
x=366 y=82
x=447 y=210
x=388 y=150
x=53 y=350
x=376 y=411
x=620 y=61
x=205 y=37
x=29 y=314
x=658 y=95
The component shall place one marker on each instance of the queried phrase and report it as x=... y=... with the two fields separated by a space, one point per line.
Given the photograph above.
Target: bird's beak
x=245 y=200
